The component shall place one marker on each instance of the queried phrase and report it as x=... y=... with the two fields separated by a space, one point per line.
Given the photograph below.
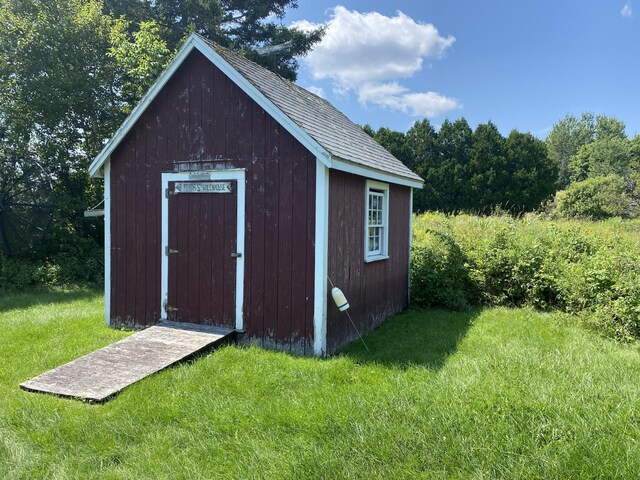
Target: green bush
x=595 y=198
x=77 y=263
x=591 y=269
x=71 y=252
x=440 y=275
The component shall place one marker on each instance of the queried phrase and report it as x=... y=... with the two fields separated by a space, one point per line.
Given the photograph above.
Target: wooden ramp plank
x=101 y=374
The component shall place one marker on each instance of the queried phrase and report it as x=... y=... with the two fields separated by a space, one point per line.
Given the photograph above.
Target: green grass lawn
x=493 y=393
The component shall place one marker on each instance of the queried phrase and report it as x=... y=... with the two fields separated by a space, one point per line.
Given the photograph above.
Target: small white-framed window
x=376 y=229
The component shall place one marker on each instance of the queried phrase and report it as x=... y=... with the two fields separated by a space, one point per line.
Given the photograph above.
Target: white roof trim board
x=314 y=122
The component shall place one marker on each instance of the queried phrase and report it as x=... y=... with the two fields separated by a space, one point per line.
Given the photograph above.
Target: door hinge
x=236 y=255
x=168 y=193
x=168 y=308
x=168 y=251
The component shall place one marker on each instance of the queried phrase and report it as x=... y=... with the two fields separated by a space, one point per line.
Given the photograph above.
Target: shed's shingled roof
x=328 y=126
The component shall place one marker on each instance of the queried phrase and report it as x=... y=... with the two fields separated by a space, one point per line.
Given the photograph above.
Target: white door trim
x=107 y=242
x=231 y=174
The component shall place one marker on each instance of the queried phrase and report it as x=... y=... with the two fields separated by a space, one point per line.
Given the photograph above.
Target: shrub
x=595 y=198
x=80 y=263
x=439 y=273
x=591 y=269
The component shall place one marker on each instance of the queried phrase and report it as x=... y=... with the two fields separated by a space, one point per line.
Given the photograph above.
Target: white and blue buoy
x=340 y=299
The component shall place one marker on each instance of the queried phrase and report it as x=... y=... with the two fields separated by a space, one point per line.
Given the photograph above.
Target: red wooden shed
x=232 y=196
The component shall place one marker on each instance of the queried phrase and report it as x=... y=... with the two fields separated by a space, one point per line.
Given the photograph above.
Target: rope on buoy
x=343 y=306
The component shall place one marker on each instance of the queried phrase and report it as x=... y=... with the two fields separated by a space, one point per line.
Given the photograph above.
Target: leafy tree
x=609 y=127
x=566 y=138
x=570 y=134
x=55 y=82
x=238 y=24
x=70 y=71
x=611 y=155
x=139 y=58
x=58 y=103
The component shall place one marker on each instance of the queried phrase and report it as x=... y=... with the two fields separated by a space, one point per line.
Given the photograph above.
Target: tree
x=450 y=174
x=55 y=80
x=570 y=134
x=566 y=138
x=421 y=140
x=140 y=57
x=59 y=100
x=473 y=171
x=609 y=127
x=238 y=24
x=532 y=175
x=422 y=144
x=70 y=71
x=610 y=155
x=488 y=176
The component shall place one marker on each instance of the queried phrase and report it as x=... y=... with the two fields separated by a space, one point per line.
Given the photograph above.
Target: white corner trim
x=107 y=242
x=232 y=174
x=321 y=260
x=410 y=244
x=194 y=41
x=374 y=174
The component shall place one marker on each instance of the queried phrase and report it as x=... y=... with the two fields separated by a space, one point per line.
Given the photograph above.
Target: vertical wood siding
x=203 y=119
x=374 y=290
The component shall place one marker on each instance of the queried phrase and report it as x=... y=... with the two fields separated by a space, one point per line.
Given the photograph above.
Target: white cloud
x=368 y=52
x=627 y=11
x=396 y=97
x=319 y=91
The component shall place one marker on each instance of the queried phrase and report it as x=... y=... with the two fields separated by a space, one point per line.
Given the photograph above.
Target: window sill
x=375 y=258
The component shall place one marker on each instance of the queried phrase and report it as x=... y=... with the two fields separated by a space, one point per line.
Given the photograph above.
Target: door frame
x=214 y=175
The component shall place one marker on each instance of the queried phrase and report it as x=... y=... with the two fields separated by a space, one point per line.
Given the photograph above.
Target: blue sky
x=521 y=64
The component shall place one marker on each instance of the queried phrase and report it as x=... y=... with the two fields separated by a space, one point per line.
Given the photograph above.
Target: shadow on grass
x=17 y=300
x=425 y=337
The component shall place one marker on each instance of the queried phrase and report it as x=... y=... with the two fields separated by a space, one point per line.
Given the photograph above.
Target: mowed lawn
x=493 y=393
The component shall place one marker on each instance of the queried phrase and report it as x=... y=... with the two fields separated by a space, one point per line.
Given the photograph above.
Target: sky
x=521 y=64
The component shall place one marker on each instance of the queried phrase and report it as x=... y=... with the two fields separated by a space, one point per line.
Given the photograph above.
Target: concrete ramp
x=99 y=375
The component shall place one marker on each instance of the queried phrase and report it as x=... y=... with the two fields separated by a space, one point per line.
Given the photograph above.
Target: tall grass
x=591 y=269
